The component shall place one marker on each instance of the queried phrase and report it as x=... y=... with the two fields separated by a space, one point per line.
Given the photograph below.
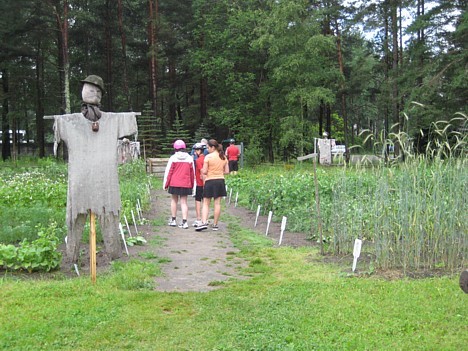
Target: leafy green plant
x=135 y=240
x=38 y=255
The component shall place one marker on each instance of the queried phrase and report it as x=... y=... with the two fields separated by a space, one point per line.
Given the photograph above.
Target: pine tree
x=178 y=131
x=201 y=133
x=150 y=133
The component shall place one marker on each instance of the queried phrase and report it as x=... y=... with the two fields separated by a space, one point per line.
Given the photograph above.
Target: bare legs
x=198 y=209
x=206 y=209
x=217 y=210
x=183 y=205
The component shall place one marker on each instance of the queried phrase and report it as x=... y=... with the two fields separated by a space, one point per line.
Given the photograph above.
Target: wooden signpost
x=92 y=246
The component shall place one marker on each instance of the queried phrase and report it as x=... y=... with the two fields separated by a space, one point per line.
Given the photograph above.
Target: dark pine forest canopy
x=271 y=73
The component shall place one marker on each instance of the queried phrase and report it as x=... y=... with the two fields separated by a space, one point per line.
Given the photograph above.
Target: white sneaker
x=183 y=225
x=172 y=223
x=197 y=223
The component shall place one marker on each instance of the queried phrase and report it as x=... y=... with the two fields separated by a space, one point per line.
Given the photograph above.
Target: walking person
x=179 y=181
x=199 y=149
x=215 y=166
x=233 y=153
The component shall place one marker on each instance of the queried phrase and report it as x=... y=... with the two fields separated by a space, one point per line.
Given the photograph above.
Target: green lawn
x=291 y=302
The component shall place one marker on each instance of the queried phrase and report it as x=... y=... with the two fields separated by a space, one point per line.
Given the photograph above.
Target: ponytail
x=219 y=148
x=221 y=152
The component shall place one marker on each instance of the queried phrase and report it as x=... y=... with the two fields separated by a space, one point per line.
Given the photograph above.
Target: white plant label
x=76 y=269
x=230 y=195
x=123 y=238
x=134 y=223
x=138 y=209
x=283 y=227
x=356 y=252
x=140 y=212
x=256 y=217
x=237 y=196
x=270 y=214
x=128 y=227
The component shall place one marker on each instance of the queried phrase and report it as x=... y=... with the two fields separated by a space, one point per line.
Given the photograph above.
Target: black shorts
x=199 y=193
x=174 y=190
x=233 y=165
x=214 y=188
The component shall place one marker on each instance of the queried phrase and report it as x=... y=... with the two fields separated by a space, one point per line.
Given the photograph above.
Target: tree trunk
x=172 y=90
x=152 y=40
x=342 y=88
x=203 y=98
x=6 y=148
x=386 y=73
x=123 y=40
x=203 y=88
x=66 y=60
x=39 y=101
x=328 y=115
x=395 y=66
x=109 y=77
x=63 y=60
x=320 y=119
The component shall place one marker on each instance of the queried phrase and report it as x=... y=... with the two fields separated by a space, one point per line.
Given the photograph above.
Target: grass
x=291 y=302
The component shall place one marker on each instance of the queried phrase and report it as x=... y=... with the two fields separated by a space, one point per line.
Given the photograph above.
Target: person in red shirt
x=199 y=150
x=179 y=181
x=233 y=153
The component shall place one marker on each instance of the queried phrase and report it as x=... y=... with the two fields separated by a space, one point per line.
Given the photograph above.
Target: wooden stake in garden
x=317 y=204
x=92 y=246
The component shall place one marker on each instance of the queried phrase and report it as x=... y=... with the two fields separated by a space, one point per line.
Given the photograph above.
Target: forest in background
x=271 y=73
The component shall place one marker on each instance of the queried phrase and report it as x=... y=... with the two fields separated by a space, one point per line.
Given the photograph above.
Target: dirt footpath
x=198 y=261
x=201 y=261
x=190 y=260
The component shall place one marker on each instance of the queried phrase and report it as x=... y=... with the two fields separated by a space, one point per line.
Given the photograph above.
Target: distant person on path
x=233 y=153
x=204 y=142
x=179 y=181
x=199 y=149
x=215 y=166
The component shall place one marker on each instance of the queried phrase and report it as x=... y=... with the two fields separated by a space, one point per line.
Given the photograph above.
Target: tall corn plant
x=412 y=215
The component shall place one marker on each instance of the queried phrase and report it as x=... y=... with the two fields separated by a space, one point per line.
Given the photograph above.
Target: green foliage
x=178 y=131
x=411 y=216
x=150 y=131
x=297 y=303
x=38 y=255
x=134 y=185
x=134 y=275
x=135 y=240
x=32 y=193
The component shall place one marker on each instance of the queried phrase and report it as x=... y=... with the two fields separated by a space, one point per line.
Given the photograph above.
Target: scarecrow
x=93 y=185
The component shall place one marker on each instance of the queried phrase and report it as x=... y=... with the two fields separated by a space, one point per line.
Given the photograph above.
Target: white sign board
x=356 y=252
